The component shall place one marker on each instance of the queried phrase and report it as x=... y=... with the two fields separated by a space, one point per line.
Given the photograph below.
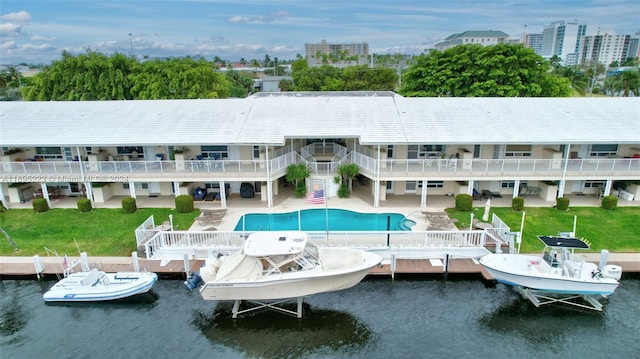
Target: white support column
x=607 y=187
x=89 y=192
x=269 y=181
x=562 y=184
x=376 y=194
x=423 y=194
x=132 y=189
x=3 y=199
x=45 y=193
x=176 y=188
x=470 y=188
x=223 y=194
x=516 y=188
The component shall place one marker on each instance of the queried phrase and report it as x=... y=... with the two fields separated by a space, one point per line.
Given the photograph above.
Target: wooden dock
x=24 y=267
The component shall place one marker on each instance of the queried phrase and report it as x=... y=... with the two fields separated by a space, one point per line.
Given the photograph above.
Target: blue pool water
x=317 y=219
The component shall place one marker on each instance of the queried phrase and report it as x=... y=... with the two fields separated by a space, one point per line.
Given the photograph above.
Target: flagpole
x=326 y=208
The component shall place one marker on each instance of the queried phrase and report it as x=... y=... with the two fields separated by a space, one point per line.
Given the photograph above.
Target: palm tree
x=297 y=174
x=267 y=60
x=347 y=173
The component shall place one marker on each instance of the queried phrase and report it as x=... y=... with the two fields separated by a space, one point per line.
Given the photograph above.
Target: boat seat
x=91 y=278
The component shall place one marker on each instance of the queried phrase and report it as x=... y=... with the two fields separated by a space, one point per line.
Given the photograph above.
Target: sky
x=37 y=31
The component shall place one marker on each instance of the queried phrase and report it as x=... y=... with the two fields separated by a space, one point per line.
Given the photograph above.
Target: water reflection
x=545 y=325
x=270 y=334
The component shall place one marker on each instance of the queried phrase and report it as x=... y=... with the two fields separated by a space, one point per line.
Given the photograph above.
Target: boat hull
x=524 y=271
x=290 y=284
x=116 y=286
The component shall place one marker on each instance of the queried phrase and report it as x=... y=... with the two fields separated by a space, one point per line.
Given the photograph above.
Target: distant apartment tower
x=484 y=38
x=533 y=41
x=562 y=39
x=634 y=46
x=339 y=55
x=604 y=48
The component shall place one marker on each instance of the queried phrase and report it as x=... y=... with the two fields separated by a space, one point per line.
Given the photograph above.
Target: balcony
x=389 y=169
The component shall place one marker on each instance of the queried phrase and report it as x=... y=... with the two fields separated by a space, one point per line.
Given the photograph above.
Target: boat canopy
x=563 y=242
x=265 y=244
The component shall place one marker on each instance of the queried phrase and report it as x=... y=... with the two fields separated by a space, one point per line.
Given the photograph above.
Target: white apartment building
x=604 y=48
x=414 y=147
x=343 y=54
x=484 y=38
x=562 y=39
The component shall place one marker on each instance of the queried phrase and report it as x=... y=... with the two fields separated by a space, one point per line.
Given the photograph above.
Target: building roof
x=482 y=33
x=372 y=117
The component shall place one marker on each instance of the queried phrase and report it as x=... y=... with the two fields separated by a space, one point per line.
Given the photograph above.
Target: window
x=517 y=151
x=507 y=184
x=431 y=151
x=410 y=186
x=49 y=152
x=214 y=151
x=256 y=151
x=390 y=151
x=127 y=150
x=432 y=184
x=137 y=185
x=603 y=150
x=594 y=184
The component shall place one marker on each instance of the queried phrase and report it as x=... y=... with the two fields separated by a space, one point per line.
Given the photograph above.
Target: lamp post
x=131 y=43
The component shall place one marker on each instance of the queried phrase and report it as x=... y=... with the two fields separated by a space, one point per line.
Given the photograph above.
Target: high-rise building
x=604 y=48
x=533 y=41
x=484 y=38
x=562 y=39
x=339 y=55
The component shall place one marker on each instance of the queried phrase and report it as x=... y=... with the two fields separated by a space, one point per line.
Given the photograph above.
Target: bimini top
x=563 y=242
x=265 y=244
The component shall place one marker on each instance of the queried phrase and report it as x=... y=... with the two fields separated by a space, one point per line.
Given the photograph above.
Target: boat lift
x=541 y=297
x=267 y=305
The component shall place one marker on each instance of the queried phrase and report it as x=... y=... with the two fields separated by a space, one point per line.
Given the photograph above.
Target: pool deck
x=360 y=201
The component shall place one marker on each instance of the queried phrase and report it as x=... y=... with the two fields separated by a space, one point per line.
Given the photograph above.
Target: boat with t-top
x=281 y=265
x=558 y=274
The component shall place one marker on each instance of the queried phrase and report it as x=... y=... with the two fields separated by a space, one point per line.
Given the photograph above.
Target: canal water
x=378 y=318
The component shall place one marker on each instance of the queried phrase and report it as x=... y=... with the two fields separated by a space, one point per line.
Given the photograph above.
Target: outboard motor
x=608 y=270
x=193 y=281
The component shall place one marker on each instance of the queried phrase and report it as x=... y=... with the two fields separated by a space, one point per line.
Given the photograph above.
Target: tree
x=501 y=70
x=297 y=174
x=299 y=64
x=241 y=84
x=347 y=173
x=285 y=85
x=626 y=83
x=178 y=79
x=90 y=76
x=577 y=78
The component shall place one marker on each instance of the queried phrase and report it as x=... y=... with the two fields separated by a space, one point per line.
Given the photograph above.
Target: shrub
x=184 y=204
x=129 y=205
x=464 y=202
x=609 y=202
x=343 y=191
x=84 y=205
x=40 y=205
x=301 y=189
x=517 y=204
x=562 y=203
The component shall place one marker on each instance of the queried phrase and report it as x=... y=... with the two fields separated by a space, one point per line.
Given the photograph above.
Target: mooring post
x=393 y=264
x=446 y=265
x=136 y=264
x=185 y=258
x=38 y=265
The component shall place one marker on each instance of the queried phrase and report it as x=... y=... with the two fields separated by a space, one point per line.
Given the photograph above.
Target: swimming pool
x=317 y=219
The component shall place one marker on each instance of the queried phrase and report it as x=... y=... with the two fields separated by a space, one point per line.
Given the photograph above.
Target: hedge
x=129 y=205
x=464 y=202
x=40 y=205
x=84 y=205
x=609 y=202
x=562 y=203
x=184 y=204
x=517 y=204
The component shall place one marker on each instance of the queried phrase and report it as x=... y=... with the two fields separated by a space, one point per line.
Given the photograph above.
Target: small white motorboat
x=95 y=285
x=558 y=274
x=279 y=265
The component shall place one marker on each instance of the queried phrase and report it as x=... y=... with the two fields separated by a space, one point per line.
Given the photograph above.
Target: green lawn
x=110 y=232
x=101 y=232
x=617 y=230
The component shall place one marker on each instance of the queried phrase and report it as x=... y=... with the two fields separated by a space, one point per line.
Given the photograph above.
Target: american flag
x=316 y=197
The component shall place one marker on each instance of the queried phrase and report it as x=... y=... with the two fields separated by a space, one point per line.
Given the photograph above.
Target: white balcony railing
x=49 y=171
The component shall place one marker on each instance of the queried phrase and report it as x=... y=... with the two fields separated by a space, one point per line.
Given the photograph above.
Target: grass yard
x=617 y=230
x=101 y=232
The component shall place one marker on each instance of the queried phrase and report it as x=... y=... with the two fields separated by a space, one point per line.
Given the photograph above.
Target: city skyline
x=37 y=31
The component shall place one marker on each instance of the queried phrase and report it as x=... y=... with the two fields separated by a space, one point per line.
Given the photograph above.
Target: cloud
x=10 y=30
x=21 y=16
x=259 y=19
x=43 y=38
